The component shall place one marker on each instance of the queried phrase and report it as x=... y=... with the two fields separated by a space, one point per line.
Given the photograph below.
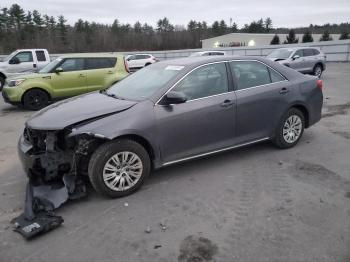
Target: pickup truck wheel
x=2 y=82
x=119 y=168
x=35 y=99
x=290 y=129
x=317 y=70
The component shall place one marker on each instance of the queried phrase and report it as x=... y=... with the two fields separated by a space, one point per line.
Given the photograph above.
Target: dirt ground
x=252 y=204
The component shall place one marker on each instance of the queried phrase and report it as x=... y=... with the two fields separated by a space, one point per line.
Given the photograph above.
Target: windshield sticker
x=175 y=68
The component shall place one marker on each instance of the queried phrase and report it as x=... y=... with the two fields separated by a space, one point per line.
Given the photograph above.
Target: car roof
x=87 y=55
x=198 y=60
x=293 y=48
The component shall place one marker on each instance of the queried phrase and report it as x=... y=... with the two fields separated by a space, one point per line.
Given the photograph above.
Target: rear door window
x=100 y=62
x=275 y=77
x=250 y=74
x=308 y=52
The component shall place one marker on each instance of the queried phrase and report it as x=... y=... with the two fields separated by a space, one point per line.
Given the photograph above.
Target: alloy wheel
x=122 y=171
x=292 y=129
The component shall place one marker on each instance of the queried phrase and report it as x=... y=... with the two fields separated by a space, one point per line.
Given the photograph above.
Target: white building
x=247 y=39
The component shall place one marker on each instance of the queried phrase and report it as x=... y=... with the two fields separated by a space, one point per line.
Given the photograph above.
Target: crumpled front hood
x=75 y=110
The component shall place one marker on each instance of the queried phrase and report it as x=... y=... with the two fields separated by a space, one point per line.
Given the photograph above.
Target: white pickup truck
x=22 y=61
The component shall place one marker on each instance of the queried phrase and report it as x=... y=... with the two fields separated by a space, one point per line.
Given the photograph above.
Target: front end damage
x=56 y=164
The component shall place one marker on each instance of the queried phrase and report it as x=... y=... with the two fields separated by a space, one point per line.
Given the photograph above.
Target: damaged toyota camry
x=166 y=113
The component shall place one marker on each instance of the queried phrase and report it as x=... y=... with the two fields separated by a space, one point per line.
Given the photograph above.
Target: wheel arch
x=2 y=75
x=143 y=142
x=305 y=112
x=320 y=64
x=36 y=88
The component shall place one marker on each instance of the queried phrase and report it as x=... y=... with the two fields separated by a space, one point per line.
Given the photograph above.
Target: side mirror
x=174 y=98
x=296 y=57
x=14 y=61
x=58 y=70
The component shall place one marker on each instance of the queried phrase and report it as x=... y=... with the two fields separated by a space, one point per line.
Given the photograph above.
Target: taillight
x=126 y=66
x=319 y=83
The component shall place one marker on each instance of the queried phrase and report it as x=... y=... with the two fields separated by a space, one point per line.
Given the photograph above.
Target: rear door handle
x=81 y=75
x=284 y=90
x=110 y=72
x=227 y=103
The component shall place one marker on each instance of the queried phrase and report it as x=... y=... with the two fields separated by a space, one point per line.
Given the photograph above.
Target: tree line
x=29 y=29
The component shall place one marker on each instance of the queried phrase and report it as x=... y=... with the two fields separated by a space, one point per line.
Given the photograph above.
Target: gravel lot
x=252 y=204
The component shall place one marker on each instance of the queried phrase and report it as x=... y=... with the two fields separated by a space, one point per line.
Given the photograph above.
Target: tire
x=2 y=82
x=297 y=118
x=108 y=178
x=35 y=99
x=147 y=64
x=317 y=71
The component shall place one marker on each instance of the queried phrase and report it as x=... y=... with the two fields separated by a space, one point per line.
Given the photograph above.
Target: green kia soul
x=67 y=76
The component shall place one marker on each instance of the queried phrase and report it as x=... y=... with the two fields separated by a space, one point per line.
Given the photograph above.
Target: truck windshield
x=280 y=53
x=9 y=56
x=50 y=66
x=145 y=82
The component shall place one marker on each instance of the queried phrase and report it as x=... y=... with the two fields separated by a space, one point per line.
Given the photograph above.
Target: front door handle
x=284 y=90
x=110 y=72
x=81 y=75
x=227 y=103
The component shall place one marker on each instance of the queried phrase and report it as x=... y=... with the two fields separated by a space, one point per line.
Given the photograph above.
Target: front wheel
x=119 y=168
x=35 y=99
x=290 y=129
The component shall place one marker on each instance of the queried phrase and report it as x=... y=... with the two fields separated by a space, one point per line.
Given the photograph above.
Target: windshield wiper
x=111 y=95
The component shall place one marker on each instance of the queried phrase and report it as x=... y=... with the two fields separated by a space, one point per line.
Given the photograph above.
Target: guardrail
x=336 y=51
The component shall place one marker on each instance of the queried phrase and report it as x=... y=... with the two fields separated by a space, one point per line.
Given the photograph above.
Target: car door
x=72 y=80
x=310 y=59
x=140 y=61
x=298 y=63
x=204 y=123
x=100 y=72
x=263 y=95
x=26 y=62
x=132 y=61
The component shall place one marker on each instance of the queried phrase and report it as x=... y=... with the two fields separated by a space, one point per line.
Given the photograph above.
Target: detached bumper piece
x=53 y=180
x=41 y=201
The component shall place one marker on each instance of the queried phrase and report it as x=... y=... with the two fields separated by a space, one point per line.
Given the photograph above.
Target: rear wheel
x=290 y=129
x=35 y=99
x=119 y=168
x=317 y=70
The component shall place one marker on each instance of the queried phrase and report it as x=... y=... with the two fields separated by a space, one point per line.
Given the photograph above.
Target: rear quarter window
x=100 y=63
x=40 y=55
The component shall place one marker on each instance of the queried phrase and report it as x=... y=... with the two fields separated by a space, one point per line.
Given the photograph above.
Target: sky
x=284 y=13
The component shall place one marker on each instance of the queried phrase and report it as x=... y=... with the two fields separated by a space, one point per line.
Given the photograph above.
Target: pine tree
x=326 y=36
x=291 y=39
x=344 y=35
x=307 y=37
x=275 y=40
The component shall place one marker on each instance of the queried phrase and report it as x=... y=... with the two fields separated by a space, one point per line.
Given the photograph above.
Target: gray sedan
x=169 y=112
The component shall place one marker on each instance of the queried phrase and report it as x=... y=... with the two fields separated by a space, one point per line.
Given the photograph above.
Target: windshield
x=9 y=56
x=281 y=53
x=50 y=66
x=145 y=82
